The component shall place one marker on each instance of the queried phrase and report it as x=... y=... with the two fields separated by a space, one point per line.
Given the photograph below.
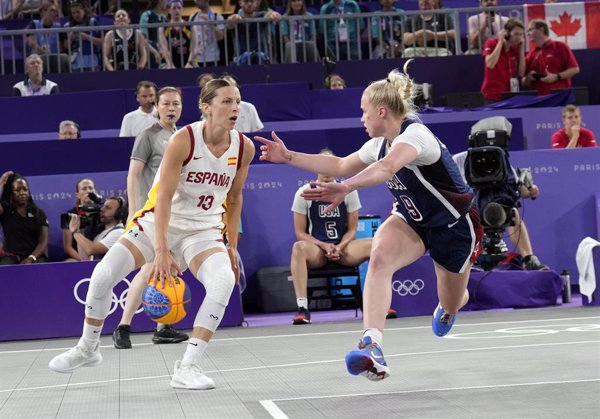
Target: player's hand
x=234 y=263
x=165 y=267
x=335 y=255
x=326 y=191
x=274 y=151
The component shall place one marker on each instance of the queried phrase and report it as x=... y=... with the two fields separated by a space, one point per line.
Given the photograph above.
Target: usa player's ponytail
x=395 y=92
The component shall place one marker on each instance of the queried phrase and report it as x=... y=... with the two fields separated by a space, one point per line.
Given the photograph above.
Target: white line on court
x=273 y=409
x=303 y=335
x=276 y=412
x=299 y=364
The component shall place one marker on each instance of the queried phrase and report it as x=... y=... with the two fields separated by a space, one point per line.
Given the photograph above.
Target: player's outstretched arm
x=275 y=151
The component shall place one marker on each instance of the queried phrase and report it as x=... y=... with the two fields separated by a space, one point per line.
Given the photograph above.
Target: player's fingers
x=262 y=140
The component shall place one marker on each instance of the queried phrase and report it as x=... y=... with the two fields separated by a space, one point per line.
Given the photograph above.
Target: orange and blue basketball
x=167 y=305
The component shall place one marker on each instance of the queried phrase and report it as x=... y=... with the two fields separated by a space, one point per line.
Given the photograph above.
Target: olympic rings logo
x=408 y=287
x=115 y=300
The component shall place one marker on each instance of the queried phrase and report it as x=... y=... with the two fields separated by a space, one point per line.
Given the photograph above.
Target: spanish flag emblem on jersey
x=231 y=161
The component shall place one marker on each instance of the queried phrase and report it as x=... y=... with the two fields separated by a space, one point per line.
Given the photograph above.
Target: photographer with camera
x=484 y=26
x=504 y=61
x=551 y=65
x=113 y=215
x=498 y=186
x=87 y=208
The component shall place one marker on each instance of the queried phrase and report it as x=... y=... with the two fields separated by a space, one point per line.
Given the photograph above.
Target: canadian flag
x=577 y=24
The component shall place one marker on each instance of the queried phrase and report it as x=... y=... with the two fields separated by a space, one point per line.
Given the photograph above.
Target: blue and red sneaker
x=367 y=361
x=442 y=322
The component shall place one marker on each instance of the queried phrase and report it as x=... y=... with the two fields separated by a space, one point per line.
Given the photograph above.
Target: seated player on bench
x=323 y=238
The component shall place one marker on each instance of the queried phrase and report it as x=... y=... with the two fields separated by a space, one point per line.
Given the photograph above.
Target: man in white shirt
x=143 y=117
x=484 y=26
x=112 y=215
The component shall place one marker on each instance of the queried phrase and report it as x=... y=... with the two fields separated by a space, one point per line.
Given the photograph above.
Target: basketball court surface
x=541 y=363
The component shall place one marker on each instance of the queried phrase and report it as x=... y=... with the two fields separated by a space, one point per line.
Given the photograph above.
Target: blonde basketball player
x=204 y=164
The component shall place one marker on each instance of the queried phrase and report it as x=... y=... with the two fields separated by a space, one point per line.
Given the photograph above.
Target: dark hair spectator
x=429 y=34
x=143 y=117
x=84 y=48
x=25 y=225
x=153 y=14
x=124 y=49
x=83 y=188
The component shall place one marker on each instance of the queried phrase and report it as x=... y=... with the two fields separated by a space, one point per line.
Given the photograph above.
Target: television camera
x=89 y=214
x=496 y=184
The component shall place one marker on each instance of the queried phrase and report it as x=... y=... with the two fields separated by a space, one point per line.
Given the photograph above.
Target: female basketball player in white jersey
x=433 y=209
x=180 y=226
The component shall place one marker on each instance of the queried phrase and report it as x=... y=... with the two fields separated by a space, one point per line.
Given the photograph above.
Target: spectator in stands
x=84 y=48
x=430 y=34
x=143 y=117
x=572 y=135
x=518 y=232
x=124 y=49
x=24 y=224
x=387 y=31
x=68 y=130
x=205 y=38
x=113 y=215
x=176 y=40
x=342 y=35
x=35 y=84
x=204 y=78
x=484 y=26
x=248 y=119
x=44 y=43
x=146 y=157
x=302 y=36
x=153 y=14
x=252 y=41
x=83 y=189
x=322 y=238
x=504 y=61
x=551 y=65
x=334 y=82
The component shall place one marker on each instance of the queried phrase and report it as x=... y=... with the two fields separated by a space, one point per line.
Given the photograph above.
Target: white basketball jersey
x=205 y=180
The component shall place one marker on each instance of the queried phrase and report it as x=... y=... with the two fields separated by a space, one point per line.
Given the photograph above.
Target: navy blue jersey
x=431 y=195
x=329 y=227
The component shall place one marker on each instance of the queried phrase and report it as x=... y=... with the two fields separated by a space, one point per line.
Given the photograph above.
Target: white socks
x=302 y=302
x=90 y=337
x=195 y=350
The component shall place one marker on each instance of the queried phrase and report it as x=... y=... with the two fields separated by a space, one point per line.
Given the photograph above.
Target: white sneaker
x=75 y=358
x=190 y=376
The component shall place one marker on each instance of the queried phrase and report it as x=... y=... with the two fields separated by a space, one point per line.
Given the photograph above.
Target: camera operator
x=518 y=184
x=85 y=190
x=112 y=215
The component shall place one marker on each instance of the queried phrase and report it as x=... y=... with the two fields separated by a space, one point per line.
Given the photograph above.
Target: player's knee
x=218 y=277
x=221 y=284
x=299 y=249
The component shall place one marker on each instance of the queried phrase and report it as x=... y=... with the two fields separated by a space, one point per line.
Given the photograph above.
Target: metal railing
x=367 y=36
